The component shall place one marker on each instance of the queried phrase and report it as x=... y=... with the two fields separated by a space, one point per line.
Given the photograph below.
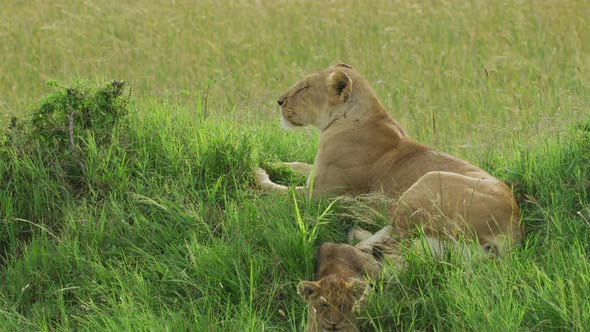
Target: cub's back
x=344 y=260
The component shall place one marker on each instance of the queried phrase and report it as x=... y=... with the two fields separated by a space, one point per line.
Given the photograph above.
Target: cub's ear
x=358 y=288
x=339 y=87
x=306 y=288
x=359 y=291
x=343 y=65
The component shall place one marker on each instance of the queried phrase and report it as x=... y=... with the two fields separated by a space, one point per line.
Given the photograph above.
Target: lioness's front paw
x=262 y=177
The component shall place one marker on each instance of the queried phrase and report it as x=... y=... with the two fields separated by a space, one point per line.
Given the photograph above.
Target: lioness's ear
x=339 y=87
x=306 y=288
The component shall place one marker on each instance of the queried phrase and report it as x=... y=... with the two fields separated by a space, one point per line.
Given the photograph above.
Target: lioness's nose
x=281 y=102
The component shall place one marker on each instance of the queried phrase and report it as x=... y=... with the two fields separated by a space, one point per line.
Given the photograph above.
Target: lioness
x=339 y=290
x=363 y=150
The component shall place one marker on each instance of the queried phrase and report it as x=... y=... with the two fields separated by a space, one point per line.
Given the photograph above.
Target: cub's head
x=333 y=303
x=314 y=101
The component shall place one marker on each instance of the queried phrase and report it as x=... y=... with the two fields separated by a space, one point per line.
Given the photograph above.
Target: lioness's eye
x=324 y=306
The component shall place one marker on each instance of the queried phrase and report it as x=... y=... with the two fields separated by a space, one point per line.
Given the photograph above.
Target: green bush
x=59 y=128
x=63 y=118
x=48 y=158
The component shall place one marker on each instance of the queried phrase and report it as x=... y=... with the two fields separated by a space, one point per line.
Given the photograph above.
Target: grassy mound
x=154 y=224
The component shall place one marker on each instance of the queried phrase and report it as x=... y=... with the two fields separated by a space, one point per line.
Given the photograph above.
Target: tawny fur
x=339 y=291
x=363 y=150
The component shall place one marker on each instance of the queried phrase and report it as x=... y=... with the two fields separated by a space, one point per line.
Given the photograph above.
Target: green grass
x=162 y=228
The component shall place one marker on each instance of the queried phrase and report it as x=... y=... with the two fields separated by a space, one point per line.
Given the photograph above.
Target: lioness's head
x=318 y=98
x=333 y=302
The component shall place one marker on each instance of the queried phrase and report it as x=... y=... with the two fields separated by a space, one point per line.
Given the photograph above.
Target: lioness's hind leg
x=358 y=234
x=452 y=206
x=383 y=247
x=382 y=238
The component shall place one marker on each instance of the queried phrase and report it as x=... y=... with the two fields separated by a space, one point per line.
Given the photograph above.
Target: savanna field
x=133 y=207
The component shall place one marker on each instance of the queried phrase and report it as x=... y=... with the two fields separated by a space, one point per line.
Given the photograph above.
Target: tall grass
x=164 y=229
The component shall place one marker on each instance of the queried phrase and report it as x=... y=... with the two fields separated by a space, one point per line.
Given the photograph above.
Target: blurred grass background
x=478 y=71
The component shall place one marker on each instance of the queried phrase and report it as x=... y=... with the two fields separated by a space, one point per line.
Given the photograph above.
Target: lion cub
x=339 y=291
